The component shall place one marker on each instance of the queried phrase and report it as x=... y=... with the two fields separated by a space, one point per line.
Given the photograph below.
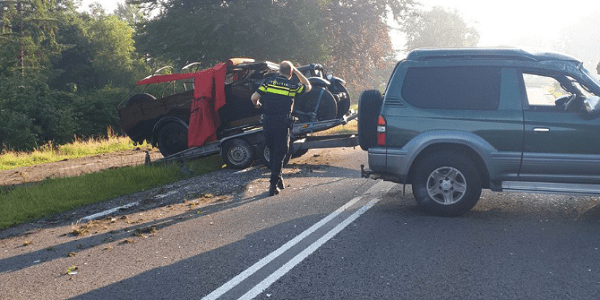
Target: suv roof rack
x=487 y=53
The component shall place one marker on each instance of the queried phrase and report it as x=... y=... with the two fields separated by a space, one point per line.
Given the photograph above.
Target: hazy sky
x=502 y=22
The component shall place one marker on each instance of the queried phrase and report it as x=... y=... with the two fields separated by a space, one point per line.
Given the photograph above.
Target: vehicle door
x=561 y=139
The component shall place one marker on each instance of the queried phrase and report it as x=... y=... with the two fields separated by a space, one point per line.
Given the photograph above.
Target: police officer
x=276 y=96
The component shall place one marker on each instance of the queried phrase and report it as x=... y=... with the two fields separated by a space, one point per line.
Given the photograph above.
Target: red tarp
x=209 y=96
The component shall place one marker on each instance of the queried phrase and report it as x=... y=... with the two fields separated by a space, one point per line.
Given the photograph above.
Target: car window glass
x=586 y=93
x=542 y=90
x=470 y=88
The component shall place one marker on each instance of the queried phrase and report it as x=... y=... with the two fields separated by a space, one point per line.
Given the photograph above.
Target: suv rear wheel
x=369 y=107
x=446 y=184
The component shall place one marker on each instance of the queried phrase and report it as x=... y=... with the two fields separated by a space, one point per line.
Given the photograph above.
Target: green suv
x=455 y=121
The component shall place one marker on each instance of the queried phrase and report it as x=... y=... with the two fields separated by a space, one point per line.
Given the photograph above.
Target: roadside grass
x=79 y=148
x=51 y=196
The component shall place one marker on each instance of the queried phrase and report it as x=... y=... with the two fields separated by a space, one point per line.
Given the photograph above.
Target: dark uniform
x=277 y=98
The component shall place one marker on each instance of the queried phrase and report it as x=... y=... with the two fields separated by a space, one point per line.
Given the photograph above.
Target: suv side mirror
x=592 y=104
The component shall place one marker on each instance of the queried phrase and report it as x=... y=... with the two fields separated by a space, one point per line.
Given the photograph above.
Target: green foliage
x=38 y=113
x=101 y=53
x=114 y=59
x=28 y=31
x=211 y=32
x=439 y=28
x=97 y=111
x=62 y=73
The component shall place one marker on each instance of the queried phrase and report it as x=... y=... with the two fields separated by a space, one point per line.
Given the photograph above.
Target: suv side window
x=469 y=88
x=542 y=92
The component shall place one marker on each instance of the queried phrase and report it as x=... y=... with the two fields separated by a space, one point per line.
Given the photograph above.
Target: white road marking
x=109 y=211
x=263 y=285
x=380 y=187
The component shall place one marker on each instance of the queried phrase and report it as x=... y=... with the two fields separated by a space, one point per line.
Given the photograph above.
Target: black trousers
x=277 y=136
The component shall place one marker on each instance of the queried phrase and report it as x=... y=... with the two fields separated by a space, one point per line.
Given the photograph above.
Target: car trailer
x=240 y=150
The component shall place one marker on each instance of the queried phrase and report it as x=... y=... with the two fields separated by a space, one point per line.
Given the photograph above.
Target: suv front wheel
x=446 y=184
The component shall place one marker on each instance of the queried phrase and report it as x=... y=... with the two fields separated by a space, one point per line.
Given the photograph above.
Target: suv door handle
x=541 y=129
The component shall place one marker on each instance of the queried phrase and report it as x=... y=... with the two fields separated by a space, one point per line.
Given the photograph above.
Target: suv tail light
x=381 y=131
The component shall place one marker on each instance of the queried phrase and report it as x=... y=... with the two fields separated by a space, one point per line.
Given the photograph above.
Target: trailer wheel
x=265 y=158
x=172 y=138
x=369 y=107
x=237 y=153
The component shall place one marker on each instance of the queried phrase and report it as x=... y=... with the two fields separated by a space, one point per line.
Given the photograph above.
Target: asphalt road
x=333 y=235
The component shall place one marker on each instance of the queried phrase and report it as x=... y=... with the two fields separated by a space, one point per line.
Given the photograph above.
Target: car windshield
x=591 y=85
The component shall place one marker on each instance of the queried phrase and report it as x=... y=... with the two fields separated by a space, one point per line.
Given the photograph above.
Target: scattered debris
x=72 y=270
x=146 y=230
x=126 y=241
x=78 y=232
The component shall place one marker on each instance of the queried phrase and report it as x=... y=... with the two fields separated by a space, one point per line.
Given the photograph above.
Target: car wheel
x=139 y=98
x=446 y=184
x=327 y=107
x=343 y=105
x=172 y=138
x=237 y=153
x=369 y=107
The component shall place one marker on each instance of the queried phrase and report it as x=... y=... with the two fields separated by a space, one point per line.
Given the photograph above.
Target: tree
x=358 y=34
x=28 y=33
x=439 y=28
x=61 y=72
x=214 y=31
x=100 y=52
x=131 y=13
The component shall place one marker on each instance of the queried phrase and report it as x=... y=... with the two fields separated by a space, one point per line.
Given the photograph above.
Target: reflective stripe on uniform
x=280 y=89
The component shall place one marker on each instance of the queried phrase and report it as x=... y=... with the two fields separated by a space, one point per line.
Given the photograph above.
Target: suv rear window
x=471 y=88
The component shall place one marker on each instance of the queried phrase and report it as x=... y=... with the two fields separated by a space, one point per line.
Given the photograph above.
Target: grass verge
x=79 y=148
x=26 y=203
